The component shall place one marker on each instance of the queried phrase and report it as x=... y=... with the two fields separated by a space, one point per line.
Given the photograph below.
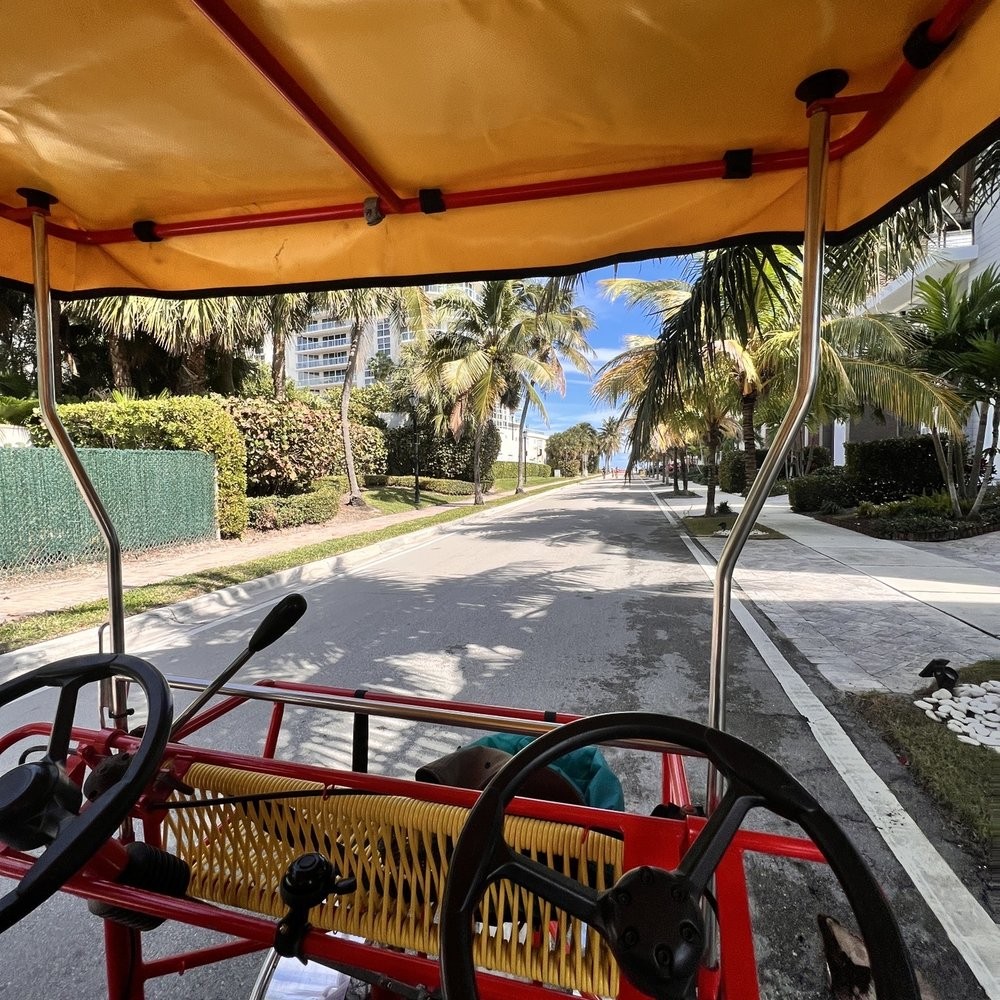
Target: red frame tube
x=647 y=841
x=266 y=63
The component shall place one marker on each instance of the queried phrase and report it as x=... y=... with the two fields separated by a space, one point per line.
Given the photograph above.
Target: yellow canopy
x=177 y=111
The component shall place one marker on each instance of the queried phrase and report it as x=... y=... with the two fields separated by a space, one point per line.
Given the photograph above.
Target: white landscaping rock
x=971 y=712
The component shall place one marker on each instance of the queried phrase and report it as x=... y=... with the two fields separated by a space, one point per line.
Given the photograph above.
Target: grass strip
x=396 y=499
x=37 y=628
x=702 y=526
x=955 y=774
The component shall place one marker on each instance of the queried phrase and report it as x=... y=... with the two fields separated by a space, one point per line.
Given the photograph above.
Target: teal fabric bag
x=586 y=769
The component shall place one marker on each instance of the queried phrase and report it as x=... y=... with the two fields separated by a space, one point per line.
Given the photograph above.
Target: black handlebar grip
x=278 y=621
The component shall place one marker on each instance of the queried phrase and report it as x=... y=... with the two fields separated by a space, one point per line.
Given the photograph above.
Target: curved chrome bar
x=113 y=692
x=805 y=388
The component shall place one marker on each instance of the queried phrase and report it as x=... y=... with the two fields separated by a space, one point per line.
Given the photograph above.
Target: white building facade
x=969 y=250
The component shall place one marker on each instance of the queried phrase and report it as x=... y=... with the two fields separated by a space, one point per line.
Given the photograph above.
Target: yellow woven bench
x=397 y=849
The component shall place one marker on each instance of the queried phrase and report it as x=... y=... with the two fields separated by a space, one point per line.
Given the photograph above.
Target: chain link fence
x=154 y=498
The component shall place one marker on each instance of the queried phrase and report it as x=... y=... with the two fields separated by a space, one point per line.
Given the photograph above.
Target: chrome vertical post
x=805 y=388
x=112 y=693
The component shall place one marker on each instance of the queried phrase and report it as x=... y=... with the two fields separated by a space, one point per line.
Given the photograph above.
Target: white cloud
x=602 y=354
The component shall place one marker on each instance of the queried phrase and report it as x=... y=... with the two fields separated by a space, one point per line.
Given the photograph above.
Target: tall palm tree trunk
x=749 y=402
x=355 y=499
x=991 y=465
x=193 y=379
x=277 y=359
x=226 y=376
x=684 y=467
x=711 y=470
x=944 y=463
x=676 y=469
x=522 y=458
x=982 y=408
x=478 y=500
x=121 y=377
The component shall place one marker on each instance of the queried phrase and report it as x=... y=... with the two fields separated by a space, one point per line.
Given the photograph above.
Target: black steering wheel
x=40 y=805
x=651 y=918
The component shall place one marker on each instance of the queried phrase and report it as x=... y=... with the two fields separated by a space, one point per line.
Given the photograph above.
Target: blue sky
x=614 y=322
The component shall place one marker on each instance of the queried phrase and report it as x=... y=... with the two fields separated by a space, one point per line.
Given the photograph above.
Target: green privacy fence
x=154 y=499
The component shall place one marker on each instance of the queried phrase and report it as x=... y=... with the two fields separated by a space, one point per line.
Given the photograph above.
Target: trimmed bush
x=179 y=423
x=446 y=487
x=319 y=505
x=814 y=458
x=508 y=470
x=893 y=468
x=732 y=470
x=442 y=457
x=292 y=443
x=809 y=493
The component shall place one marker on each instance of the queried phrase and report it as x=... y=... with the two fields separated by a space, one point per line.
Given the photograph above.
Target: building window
x=383 y=337
x=406 y=336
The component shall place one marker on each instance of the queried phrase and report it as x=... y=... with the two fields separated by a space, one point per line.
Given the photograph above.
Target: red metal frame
x=647 y=840
x=876 y=107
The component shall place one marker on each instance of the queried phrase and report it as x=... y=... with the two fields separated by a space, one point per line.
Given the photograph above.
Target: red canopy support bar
x=264 y=61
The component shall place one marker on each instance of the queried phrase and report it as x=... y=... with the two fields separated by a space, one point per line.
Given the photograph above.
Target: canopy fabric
x=127 y=112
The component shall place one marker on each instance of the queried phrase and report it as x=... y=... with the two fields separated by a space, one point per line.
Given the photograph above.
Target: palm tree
x=363 y=308
x=959 y=333
x=183 y=327
x=609 y=440
x=556 y=329
x=729 y=287
x=703 y=404
x=285 y=315
x=484 y=358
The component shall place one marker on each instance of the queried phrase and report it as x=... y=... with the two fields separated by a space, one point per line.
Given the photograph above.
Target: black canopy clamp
x=41 y=201
x=145 y=231
x=373 y=211
x=549 y=716
x=919 y=51
x=431 y=201
x=739 y=164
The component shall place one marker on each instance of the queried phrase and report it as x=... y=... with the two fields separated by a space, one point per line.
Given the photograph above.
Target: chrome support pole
x=113 y=693
x=805 y=388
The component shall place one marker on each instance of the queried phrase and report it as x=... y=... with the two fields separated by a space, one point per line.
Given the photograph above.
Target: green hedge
x=447 y=487
x=442 y=457
x=508 y=470
x=16 y=411
x=893 y=468
x=180 y=423
x=317 y=506
x=809 y=493
x=290 y=444
x=732 y=470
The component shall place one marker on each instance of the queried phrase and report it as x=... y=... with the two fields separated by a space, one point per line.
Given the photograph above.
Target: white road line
x=965 y=921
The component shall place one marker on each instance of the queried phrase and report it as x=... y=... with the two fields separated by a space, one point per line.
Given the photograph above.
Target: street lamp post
x=414 y=400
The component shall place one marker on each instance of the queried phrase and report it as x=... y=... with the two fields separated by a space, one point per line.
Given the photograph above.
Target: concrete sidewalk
x=868 y=612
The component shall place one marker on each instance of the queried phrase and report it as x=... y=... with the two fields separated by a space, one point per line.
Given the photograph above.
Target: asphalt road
x=582 y=600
